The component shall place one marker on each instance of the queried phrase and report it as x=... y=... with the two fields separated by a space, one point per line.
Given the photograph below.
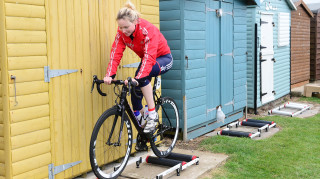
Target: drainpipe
x=290 y=66
x=255 y=67
x=185 y=130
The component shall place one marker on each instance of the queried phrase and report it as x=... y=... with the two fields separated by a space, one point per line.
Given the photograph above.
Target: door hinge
x=262 y=47
x=210 y=9
x=229 y=13
x=132 y=65
x=210 y=110
x=208 y=55
x=263 y=22
x=228 y=54
x=54 y=73
x=58 y=169
x=230 y=103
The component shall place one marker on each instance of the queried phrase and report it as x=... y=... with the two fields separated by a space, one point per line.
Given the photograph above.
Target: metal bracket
x=262 y=47
x=230 y=103
x=210 y=110
x=58 y=169
x=209 y=9
x=228 y=54
x=229 y=13
x=263 y=22
x=208 y=55
x=54 y=73
x=132 y=65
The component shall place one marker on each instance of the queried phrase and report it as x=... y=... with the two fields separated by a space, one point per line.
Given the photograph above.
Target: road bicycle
x=112 y=137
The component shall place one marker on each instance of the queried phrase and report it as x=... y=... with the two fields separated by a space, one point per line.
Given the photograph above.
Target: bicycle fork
x=120 y=111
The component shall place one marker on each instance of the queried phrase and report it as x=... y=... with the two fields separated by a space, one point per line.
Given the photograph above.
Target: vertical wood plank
x=5 y=97
x=73 y=91
x=63 y=80
x=83 y=155
x=87 y=73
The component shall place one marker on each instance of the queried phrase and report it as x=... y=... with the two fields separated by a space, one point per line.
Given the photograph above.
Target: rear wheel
x=167 y=129
x=108 y=154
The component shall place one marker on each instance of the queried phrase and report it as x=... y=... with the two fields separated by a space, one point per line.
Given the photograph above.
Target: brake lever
x=129 y=86
x=93 y=82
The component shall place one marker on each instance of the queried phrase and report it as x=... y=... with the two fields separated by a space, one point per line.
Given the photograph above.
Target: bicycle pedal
x=141 y=148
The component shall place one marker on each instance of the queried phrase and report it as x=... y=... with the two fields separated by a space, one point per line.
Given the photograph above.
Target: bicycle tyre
x=100 y=160
x=170 y=120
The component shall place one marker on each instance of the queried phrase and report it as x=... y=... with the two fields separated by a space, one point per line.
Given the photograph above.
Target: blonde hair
x=128 y=11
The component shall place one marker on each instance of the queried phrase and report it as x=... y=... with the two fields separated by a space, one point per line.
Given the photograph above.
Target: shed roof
x=290 y=3
x=301 y=2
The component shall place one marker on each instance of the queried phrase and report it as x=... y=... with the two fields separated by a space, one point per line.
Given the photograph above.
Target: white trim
x=146 y=56
x=113 y=52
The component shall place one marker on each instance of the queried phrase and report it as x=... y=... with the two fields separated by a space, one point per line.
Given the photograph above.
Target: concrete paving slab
x=299 y=91
x=208 y=162
x=314 y=109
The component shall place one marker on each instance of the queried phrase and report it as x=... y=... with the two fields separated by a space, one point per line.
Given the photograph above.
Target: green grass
x=293 y=152
x=313 y=99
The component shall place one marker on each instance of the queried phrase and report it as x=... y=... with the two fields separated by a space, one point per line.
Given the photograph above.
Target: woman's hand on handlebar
x=133 y=80
x=107 y=80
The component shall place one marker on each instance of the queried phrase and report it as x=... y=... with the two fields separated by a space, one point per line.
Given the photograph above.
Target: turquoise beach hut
x=208 y=42
x=268 y=42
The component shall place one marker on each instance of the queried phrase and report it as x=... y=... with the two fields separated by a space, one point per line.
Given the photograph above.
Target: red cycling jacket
x=148 y=43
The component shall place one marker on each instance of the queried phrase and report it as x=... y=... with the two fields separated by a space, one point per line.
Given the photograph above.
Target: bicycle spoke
x=110 y=146
x=167 y=129
x=167 y=117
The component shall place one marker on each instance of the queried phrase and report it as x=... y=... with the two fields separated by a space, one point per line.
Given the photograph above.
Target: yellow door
x=80 y=34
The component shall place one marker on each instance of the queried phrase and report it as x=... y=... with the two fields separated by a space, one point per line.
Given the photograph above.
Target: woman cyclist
x=149 y=44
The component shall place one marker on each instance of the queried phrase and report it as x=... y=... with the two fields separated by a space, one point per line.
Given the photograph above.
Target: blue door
x=219 y=56
x=212 y=58
x=227 y=97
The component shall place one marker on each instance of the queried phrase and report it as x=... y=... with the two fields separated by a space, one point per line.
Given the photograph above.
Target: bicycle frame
x=125 y=105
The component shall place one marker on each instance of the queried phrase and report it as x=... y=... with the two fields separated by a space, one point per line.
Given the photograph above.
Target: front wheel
x=167 y=129
x=110 y=147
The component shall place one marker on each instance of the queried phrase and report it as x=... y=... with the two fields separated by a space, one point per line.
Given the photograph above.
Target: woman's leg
x=147 y=93
x=164 y=63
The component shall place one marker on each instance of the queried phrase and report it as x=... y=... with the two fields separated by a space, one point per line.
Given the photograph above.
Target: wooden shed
x=206 y=38
x=315 y=42
x=300 y=44
x=47 y=122
x=268 y=66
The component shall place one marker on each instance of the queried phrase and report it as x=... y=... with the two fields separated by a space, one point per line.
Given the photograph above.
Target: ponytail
x=128 y=11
